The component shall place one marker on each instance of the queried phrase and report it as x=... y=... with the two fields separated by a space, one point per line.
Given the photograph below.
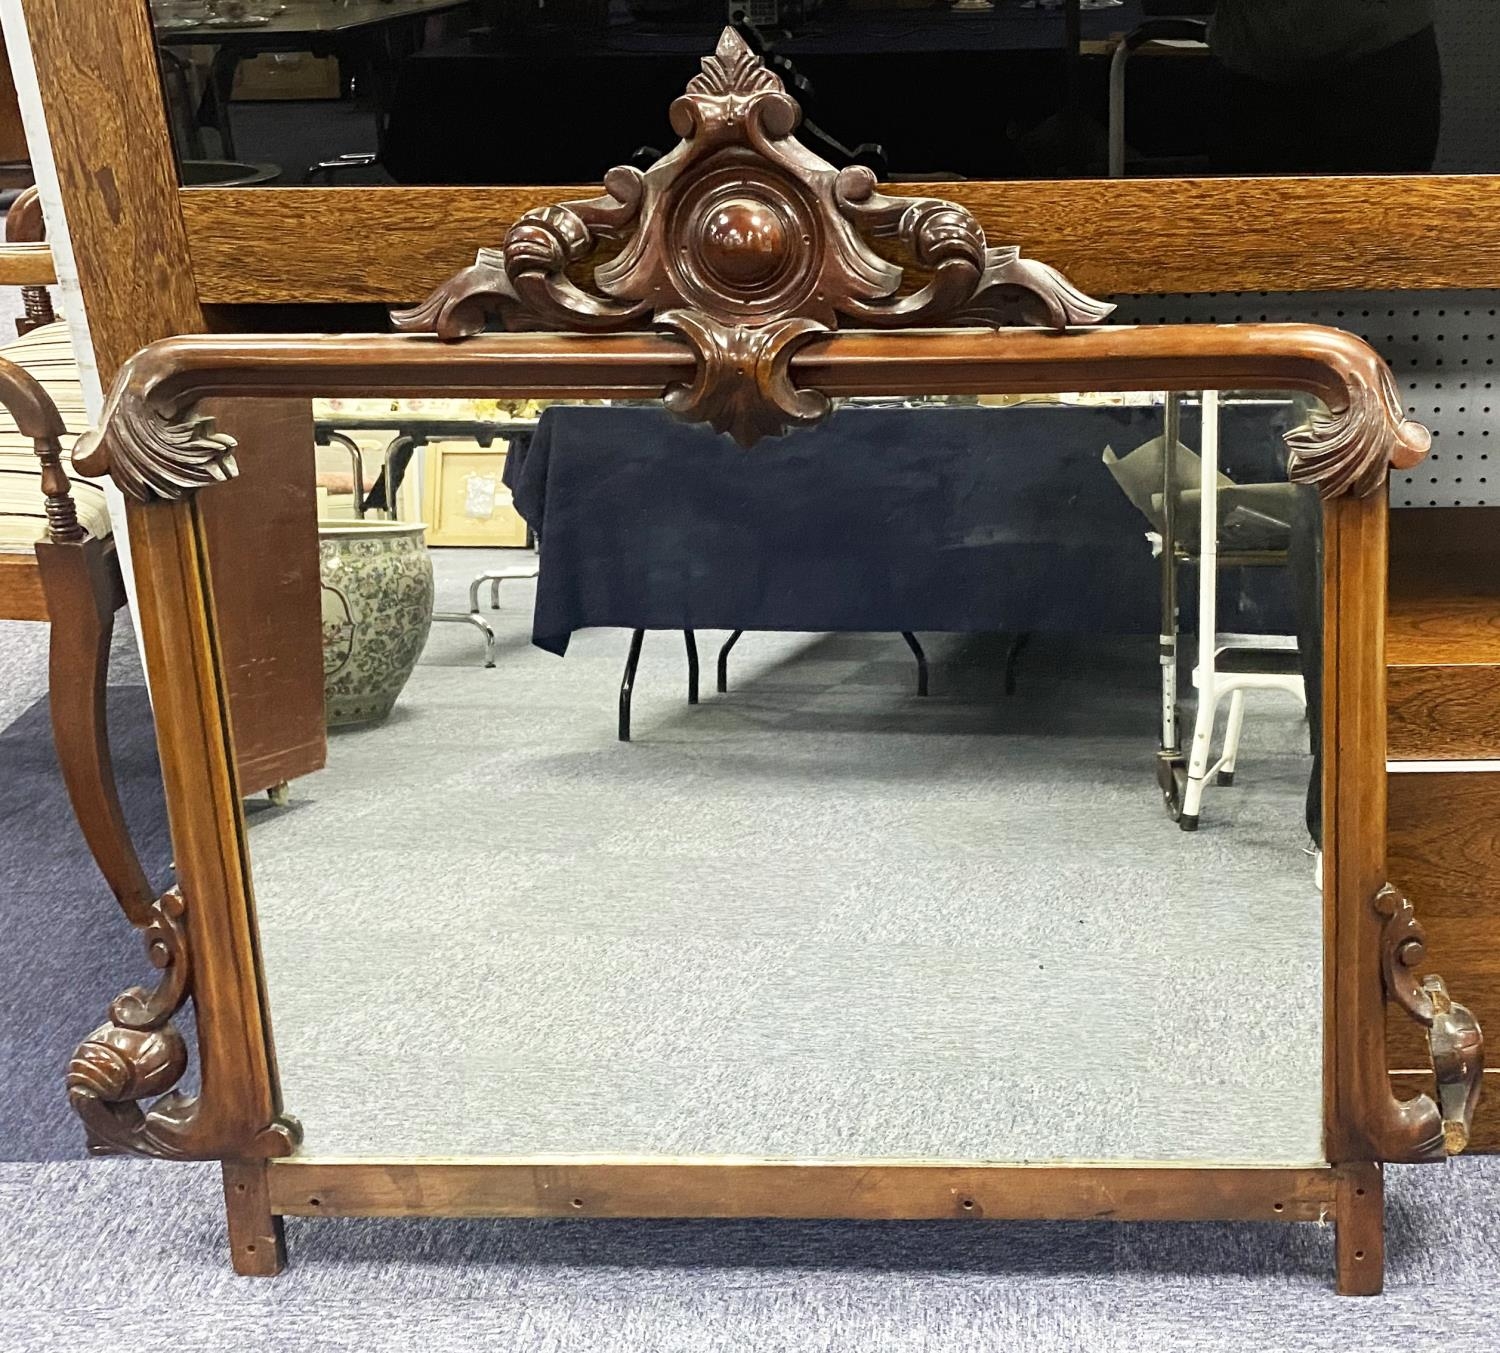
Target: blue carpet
x=65 y=947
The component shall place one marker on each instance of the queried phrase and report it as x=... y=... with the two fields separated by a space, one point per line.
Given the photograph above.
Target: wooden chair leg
x=83 y=588
x=257 y=1238
x=1359 y=1231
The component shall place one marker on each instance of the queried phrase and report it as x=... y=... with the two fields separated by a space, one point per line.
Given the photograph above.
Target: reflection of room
x=818 y=806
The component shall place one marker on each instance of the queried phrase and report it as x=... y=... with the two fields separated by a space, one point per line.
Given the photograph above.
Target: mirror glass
x=910 y=880
x=432 y=91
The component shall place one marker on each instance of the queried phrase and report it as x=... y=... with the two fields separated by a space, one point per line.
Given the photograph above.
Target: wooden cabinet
x=263 y=557
x=1443 y=695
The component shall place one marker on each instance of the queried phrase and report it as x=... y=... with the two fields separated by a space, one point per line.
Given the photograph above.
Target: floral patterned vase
x=377 y=610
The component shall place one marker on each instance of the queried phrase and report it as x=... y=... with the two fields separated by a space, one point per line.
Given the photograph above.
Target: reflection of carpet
x=65 y=948
x=815 y=917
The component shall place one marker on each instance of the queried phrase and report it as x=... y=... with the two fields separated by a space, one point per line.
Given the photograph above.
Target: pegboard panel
x=1468 y=38
x=1444 y=347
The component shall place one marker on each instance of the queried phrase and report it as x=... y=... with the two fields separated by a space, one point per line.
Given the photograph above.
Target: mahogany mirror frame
x=674 y=309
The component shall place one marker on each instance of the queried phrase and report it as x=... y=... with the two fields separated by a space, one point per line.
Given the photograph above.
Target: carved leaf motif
x=743 y=385
x=150 y=456
x=140 y=1055
x=112 y=1071
x=1454 y=1037
x=1353 y=449
x=166 y=947
x=1403 y=948
x=733 y=69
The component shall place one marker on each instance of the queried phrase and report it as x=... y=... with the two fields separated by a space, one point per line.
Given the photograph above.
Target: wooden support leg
x=257 y=1242
x=1359 y=1227
x=84 y=589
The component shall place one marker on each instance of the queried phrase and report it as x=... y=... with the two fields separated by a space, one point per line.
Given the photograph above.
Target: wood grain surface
x=262 y=537
x=21 y=596
x=714 y=1188
x=26 y=265
x=394 y=245
x=1448 y=713
x=1443 y=683
x=118 y=177
x=1359 y=1242
x=1443 y=853
x=1444 y=587
x=103 y=103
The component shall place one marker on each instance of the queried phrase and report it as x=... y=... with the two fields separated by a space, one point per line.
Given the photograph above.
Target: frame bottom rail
x=308 y=1187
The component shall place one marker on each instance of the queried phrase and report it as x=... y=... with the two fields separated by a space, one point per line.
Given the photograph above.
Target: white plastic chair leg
x=1199 y=758
x=1232 y=737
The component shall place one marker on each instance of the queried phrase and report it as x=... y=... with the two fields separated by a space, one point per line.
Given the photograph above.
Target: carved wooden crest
x=748 y=245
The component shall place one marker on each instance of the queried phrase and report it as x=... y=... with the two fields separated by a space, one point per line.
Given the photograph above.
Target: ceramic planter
x=377 y=610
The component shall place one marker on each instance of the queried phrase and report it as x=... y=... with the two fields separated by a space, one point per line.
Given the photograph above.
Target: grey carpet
x=101 y=1256
x=815 y=918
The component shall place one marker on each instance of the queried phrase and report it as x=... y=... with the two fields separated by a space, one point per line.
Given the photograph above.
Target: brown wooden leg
x=257 y=1242
x=1359 y=1227
x=84 y=589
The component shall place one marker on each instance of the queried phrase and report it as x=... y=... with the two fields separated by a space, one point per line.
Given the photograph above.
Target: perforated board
x=1468 y=34
x=1444 y=347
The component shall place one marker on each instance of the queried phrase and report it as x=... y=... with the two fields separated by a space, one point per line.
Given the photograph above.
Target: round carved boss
x=747 y=245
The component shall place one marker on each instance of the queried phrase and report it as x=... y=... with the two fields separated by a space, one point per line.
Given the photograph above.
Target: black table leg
x=627 y=682
x=921 y=657
x=692 y=654
x=729 y=643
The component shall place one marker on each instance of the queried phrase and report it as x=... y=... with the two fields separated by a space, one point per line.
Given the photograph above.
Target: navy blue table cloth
x=942 y=518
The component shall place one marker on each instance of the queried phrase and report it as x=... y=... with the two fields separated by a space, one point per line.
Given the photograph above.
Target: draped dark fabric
x=962 y=519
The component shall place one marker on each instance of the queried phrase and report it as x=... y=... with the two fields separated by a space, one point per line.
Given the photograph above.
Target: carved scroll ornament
x=1453 y=1034
x=738 y=239
x=749 y=255
x=140 y=1055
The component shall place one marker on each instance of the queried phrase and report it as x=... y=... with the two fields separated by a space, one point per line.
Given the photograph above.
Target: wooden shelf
x=1443 y=634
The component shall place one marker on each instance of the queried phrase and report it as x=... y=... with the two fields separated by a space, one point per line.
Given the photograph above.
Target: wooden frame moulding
x=738 y=285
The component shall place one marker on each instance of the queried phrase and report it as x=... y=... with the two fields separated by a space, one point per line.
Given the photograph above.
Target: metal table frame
x=412 y=432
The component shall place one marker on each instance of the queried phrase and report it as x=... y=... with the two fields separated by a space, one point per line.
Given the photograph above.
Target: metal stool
x=473 y=616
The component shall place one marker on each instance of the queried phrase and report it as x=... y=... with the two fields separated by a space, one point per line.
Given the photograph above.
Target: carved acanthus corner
x=139 y=1055
x=1453 y=1034
x=151 y=455
x=1353 y=449
x=737 y=238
